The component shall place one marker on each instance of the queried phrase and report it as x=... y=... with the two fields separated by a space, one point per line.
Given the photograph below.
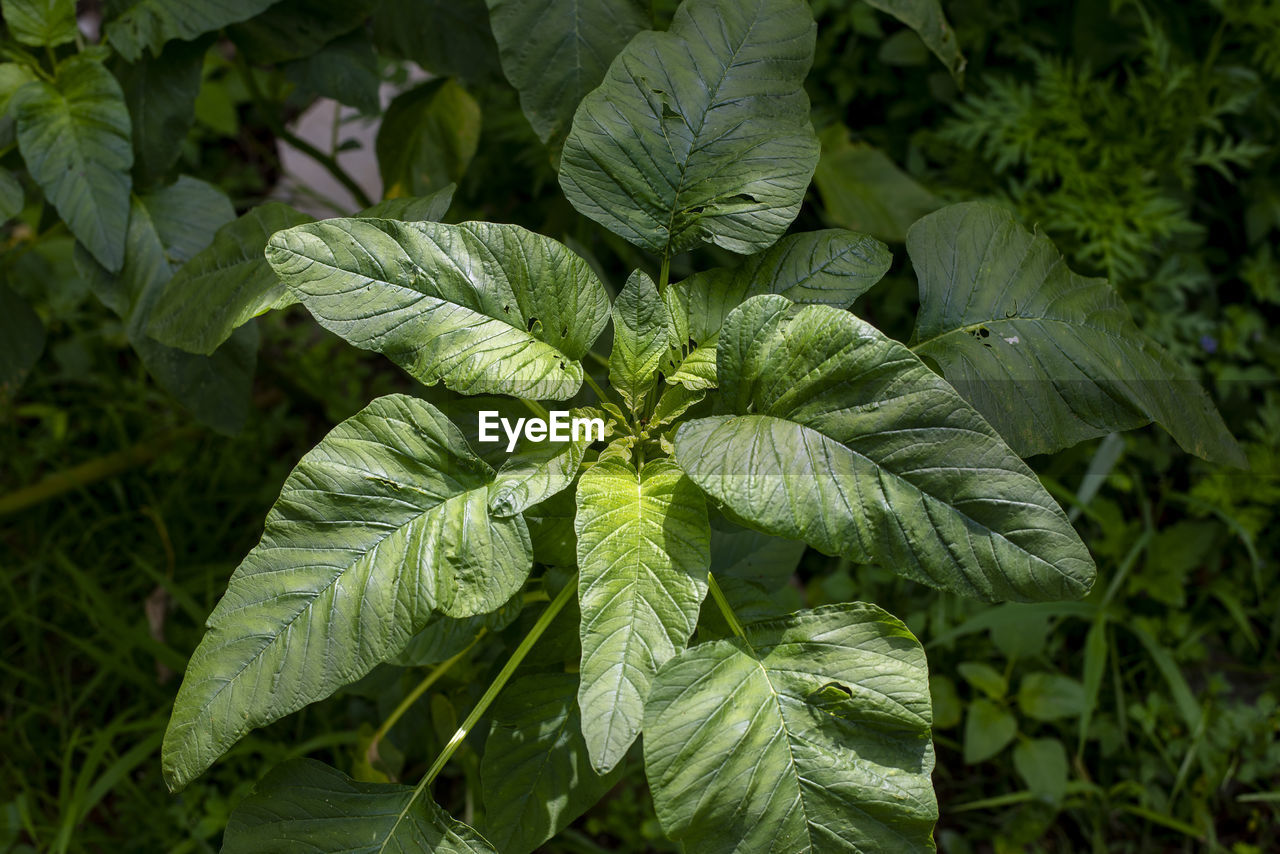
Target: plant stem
x=329 y=162
x=536 y=408
x=600 y=393
x=665 y=275
x=431 y=678
x=499 y=682
x=723 y=604
x=57 y=483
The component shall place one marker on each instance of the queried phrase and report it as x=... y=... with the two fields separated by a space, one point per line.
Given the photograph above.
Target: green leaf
x=1042 y=763
x=864 y=190
x=834 y=267
x=988 y=729
x=643 y=551
x=75 y=138
x=13 y=77
x=535 y=775
x=701 y=133
x=985 y=678
x=346 y=70
x=304 y=807
x=639 y=340
x=41 y=23
x=947 y=708
x=551 y=527
x=427 y=138
x=1050 y=696
x=485 y=308
x=166 y=228
x=811 y=735
x=445 y=636
x=556 y=51
x=844 y=439
x=150 y=23
x=292 y=29
x=446 y=37
x=21 y=342
x=536 y=472
x=226 y=285
x=429 y=208
x=161 y=94
x=12 y=196
x=380 y=525
x=1049 y=357
x=926 y=18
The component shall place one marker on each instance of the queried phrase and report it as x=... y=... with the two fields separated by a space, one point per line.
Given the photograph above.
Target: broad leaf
x=1049 y=357
x=556 y=51
x=863 y=189
x=427 y=138
x=161 y=94
x=150 y=23
x=846 y=440
x=446 y=37
x=537 y=471
x=75 y=137
x=535 y=775
x=226 y=285
x=643 y=553
x=927 y=19
x=834 y=267
x=812 y=735
x=444 y=636
x=429 y=208
x=12 y=196
x=639 y=340
x=292 y=29
x=166 y=228
x=41 y=23
x=21 y=342
x=700 y=134
x=380 y=525
x=346 y=69
x=482 y=307
x=305 y=807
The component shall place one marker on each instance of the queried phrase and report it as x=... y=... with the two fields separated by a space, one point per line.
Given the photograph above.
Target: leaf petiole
x=725 y=608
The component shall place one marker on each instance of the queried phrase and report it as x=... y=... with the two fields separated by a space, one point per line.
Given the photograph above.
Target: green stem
x=723 y=604
x=329 y=162
x=599 y=360
x=665 y=275
x=595 y=386
x=499 y=682
x=431 y=678
x=536 y=408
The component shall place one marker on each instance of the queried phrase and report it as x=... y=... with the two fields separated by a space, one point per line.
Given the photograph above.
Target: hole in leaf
x=533 y=321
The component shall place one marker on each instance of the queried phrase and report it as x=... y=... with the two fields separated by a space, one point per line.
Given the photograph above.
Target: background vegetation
x=1142 y=137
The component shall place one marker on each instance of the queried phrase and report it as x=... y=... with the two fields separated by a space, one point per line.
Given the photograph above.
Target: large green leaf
x=483 y=307
x=701 y=133
x=535 y=774
x=927 y=19
x=161 y=92
x=811 y=735
x=846 y=440
x=1049 y=357
x=226 y=285
x=150 y=23
x=427 y=138
x=644 y=546
x=166 y=228
x=639 y=339
x=292 y=29
x=379 y=525
x=41 y=23
x=446 y=37
x=346 y=69
x=556 y=51
x=834 y=267
x=75 y=138
x=864 y=190
x=21 y=342
x=305 y=807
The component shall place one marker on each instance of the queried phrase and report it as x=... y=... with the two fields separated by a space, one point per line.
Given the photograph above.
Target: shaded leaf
x=304 y=806
x=1042 y=764
x=12 y=196
x=864 y=190
x=446 y=37
x=1049 y=357
x=535 y=775
x=537 y=471
x=346 y=69
x=812 y=735
x=150 y=23
x=427 y=138
x=445 y=636
x=21 y=342
x=484 y=308
x=41 y=23
x=927 y=19
x=700 y=134
x=161 y=92
x=988 y=729
x=1050 y=696
x=76 y=140
x=643 y=553
x=379 y=526
x=292 y=29
x=556 y=51
x=844 y=439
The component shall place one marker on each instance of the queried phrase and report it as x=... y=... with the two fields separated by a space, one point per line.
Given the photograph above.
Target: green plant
x=746 y=392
